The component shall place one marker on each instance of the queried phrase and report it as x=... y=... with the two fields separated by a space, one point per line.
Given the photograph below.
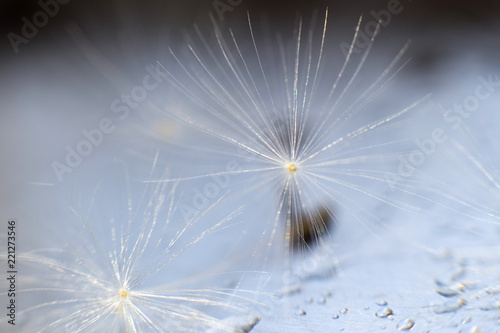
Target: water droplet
x=451 y=306
x=335 y=316
x=289 y=291
x=448 y=292
x=453 y=290
x=385 y=312
x=466 y=320
x=322 y=300
x=381 y=302
x=327 y=294
x=344 y=310
x=405 y=324
x=242 y=324
x=492 y=291
x=302 y=312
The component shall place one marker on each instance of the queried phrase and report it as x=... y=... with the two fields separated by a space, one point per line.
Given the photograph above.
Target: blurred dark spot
x=308 y=227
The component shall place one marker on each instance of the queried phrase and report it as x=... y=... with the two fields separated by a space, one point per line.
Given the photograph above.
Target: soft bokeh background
x=65 y=79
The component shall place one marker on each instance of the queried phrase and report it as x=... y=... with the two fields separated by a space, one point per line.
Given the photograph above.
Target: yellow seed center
x=291 y=167
x=123 y=293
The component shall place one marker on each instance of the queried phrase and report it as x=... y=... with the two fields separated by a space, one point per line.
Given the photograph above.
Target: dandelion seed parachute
x=121 y=273
x=295 y=128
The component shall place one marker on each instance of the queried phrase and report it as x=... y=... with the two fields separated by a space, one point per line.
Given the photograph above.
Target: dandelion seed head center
x=123 y=293
x=291 y=167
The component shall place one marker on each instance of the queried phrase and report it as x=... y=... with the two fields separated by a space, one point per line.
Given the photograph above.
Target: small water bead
x=450 y=307
x=240 y=324
x=453 y=290
x=405 y=324
x=384 y=313
x=322 y=300
x=291 y=290
x=302 y=312
x=381 y=302
x=335 y=316
x=249 y=325
x=344 y=310
x=492 y=290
